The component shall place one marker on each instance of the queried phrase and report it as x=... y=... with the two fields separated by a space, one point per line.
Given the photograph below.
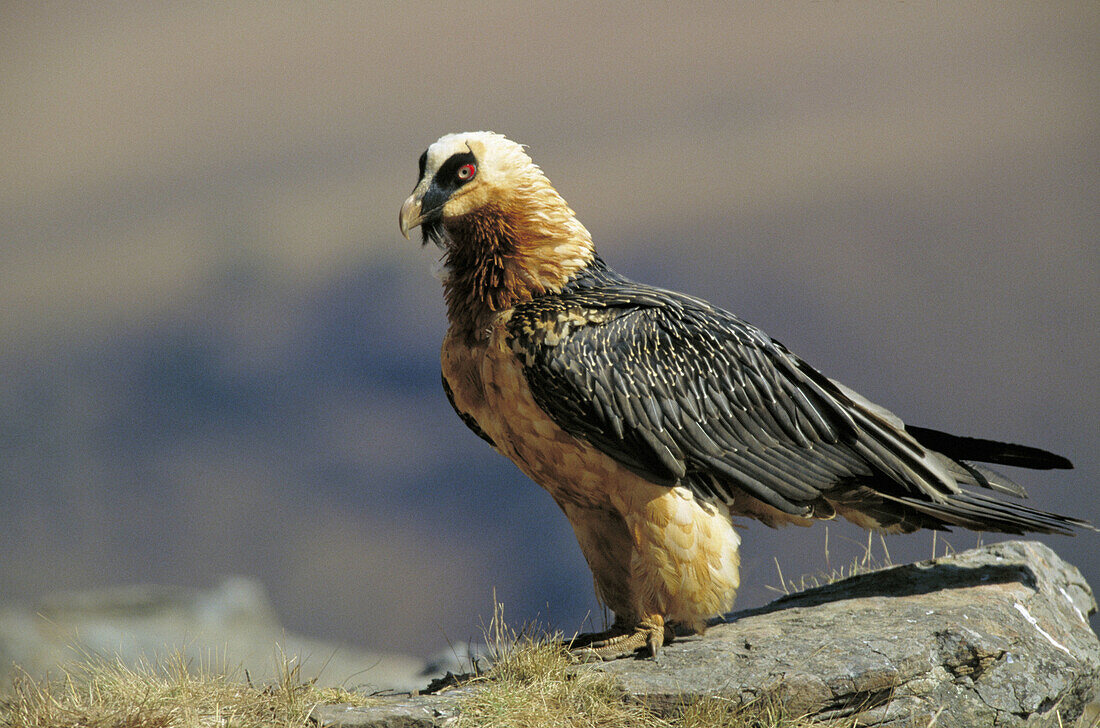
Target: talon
x=655 y=645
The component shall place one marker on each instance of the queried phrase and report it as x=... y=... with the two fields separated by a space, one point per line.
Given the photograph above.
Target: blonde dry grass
x=100 y=693
x=533 y=682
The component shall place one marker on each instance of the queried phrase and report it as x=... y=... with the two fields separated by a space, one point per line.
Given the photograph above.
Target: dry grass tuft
x=99 y=693
x=533 y=682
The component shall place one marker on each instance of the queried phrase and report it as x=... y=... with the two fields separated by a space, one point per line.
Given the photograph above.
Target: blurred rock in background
x=230 y=629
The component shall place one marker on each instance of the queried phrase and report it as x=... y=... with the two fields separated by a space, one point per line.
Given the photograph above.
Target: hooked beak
x=410 y=214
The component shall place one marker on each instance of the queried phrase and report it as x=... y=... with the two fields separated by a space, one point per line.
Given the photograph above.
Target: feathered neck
x=517 y=246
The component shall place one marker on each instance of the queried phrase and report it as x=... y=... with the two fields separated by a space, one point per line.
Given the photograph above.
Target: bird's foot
x=621 y=641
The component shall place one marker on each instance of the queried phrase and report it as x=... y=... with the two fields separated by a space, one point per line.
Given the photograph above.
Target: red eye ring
x=466 y=172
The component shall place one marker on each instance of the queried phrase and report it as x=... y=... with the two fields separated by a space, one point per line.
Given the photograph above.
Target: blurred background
x=218 y=357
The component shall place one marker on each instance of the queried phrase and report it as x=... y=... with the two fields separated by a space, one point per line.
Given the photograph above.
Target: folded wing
x=686 y=394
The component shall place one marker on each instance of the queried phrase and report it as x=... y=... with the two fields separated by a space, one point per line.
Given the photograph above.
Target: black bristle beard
x=432 y=232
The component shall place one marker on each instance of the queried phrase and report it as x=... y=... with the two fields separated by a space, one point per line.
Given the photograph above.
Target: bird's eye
x=466 y=172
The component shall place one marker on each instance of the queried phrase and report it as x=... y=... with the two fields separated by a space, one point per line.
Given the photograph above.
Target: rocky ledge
x=997 y=635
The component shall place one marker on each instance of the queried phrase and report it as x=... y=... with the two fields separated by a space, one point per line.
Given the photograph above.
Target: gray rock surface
x=992 y=636
x=230 y=627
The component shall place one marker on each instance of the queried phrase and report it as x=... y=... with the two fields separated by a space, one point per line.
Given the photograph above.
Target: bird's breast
x=488 y=383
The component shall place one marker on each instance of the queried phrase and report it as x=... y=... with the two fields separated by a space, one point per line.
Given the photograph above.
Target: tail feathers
x=970 y=474
x=990 y=478
x=982 y=513
x=987 y=451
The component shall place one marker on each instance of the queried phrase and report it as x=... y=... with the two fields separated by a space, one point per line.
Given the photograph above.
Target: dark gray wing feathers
x=676 y=390
x=686 y=394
